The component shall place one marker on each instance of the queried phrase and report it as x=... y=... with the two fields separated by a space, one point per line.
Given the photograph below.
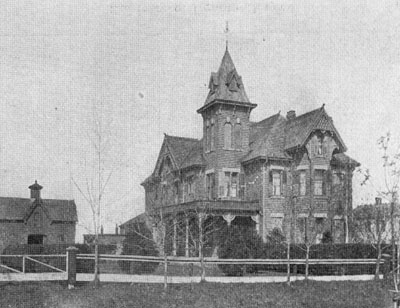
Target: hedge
x=318 y=251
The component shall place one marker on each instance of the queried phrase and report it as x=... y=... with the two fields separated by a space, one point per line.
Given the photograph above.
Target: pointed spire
x=226 y=32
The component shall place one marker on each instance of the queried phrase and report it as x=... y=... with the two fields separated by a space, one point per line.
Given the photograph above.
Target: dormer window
x=233 y=85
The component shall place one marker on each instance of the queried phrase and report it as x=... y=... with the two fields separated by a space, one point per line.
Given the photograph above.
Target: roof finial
x=226 y=34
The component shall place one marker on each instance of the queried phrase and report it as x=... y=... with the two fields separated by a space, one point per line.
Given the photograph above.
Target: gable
x=299 y=129
x=37 y=216
x=165 y=154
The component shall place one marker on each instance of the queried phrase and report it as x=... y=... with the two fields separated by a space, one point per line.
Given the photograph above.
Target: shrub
x=239 y=242
x=139 y=241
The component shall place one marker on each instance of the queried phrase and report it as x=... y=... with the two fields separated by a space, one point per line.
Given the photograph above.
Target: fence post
x=71 y=266
x=23 y=264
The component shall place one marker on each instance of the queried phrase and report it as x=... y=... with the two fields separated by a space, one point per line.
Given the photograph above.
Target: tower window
x=237 y=136
x=212 y=136
x=228 y=135
x=276 y=183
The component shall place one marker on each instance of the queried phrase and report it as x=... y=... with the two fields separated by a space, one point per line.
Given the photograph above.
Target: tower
x=226 y=125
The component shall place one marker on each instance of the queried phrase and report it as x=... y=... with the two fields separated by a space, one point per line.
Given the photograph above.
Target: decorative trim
x=320 y=215
x=303 y=167
x=277 y=215
x=275 y=167
x=231 y=170
x=338 y=217
x=321 y=167
x=210 y=171
x=303 y=215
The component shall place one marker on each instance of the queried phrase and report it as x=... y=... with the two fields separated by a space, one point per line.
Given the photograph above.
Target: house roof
x=139 y=218
x=343 y=159
x=21 y=208
x=185 y=152
x=300 y=128
x=267 y=139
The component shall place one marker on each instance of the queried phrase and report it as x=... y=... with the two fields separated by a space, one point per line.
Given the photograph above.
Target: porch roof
x=239 y=208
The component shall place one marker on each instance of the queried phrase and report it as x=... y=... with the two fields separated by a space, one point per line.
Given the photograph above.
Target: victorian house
x=287 y=172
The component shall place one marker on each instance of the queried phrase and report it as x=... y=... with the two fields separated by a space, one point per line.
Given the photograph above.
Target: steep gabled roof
x=184 y=152
x=299 y=129
x=21 y=208
x=226 y=85
x=267 y=139
x=180 y=147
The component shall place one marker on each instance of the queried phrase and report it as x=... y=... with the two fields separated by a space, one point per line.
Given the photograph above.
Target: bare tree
x=93 y=180
x=370 y=223
x=389 y=189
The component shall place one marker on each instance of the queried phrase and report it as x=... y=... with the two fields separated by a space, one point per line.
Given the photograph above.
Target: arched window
x=228 y=135
x=212 y=135
x=237 y=135
x=208 y=137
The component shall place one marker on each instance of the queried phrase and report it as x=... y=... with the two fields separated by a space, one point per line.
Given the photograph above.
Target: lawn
x=207 y=295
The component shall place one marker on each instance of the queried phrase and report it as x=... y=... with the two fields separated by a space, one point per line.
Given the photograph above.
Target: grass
x=210 y=295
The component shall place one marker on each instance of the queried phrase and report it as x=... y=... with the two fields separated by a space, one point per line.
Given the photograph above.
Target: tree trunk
x=378 y=262
x=96 y=279
x=288 y=262
x=165 y=271
x=393 y=240
x=201 y=244
x=307 y=261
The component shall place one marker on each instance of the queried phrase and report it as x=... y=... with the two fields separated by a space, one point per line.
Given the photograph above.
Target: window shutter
x=221 y=184
x=284 y=177
x=242 y=186
x=270 y=184
x=213 y=187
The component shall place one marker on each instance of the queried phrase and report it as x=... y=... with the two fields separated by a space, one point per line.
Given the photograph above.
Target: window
x=338 y=178
x=319 y=182
x=276 y=183
x=237 y=135
x=229 y=186
x=188 y=188
x=35 y=239
x=61 y=238
x=210 y=186
x=212 y=135
x=318 y=146
x=228 y=135
x=176 y=192
x=208 y=136
x=302 y=183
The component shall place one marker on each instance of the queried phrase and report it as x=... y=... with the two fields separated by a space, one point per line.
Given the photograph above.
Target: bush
x=139 y=242
x=239 y=242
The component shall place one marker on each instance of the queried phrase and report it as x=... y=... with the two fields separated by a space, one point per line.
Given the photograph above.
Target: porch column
x=187 y=237
x=228 y=218
x=174 y=221
x=256 y=219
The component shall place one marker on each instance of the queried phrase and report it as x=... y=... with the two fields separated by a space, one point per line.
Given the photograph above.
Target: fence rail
x=180 y=260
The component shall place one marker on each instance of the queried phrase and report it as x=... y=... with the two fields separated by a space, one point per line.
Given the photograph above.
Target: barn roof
x=21 y=208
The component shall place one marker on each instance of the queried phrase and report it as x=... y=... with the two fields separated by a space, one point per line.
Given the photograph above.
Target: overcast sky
x=149 y=63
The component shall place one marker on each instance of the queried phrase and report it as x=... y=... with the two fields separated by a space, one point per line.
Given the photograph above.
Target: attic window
x=233 y=85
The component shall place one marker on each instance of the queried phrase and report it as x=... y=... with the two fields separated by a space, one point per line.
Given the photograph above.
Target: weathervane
x=226 y=31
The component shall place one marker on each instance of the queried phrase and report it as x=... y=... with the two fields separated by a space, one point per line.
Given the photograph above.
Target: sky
x=145 y=65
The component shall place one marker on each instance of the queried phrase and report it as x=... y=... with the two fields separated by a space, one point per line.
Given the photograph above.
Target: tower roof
x=226 y=85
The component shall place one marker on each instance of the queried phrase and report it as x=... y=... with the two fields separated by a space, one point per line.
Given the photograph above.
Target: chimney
x=101 y=230
x=35 y=190
x=116 y=229
x=291 y=114
x=378 y=201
